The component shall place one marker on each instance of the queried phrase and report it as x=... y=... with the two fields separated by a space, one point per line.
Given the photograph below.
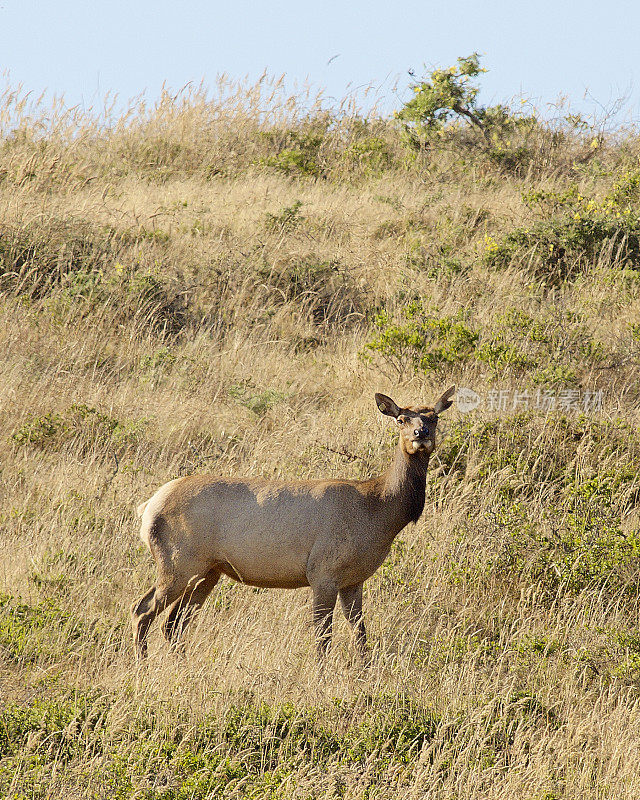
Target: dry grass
x=178 y=296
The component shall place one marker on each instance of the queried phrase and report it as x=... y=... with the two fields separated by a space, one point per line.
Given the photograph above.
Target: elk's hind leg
x=144 y=611
x=182 y=610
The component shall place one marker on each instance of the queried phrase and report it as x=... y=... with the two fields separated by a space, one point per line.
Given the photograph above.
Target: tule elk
x=330 y=535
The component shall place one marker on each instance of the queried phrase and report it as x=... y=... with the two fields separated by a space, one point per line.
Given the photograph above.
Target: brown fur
x=328 y=534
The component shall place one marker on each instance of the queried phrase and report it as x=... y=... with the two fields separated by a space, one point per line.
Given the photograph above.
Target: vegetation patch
x=577 y=540
x=84 y=427
x=38 y=256
x=254 y=745
x=370 y=154
x=257 y=401
x=133 y=295
x=579 y=231
x=38 y=633
x=298 y=153
x=420 y=341
x=324 y=290
x=444 y=108
x=287 y=219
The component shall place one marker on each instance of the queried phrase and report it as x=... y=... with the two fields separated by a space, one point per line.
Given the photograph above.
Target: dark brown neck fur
x=406 y=480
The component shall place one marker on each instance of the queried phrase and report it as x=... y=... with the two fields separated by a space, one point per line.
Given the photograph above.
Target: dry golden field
x=221 y=286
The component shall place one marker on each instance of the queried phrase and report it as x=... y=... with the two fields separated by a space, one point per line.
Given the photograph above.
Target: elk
x=330 y=535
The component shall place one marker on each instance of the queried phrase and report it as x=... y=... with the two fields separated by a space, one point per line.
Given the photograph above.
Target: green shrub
x=267 y=736
x=625 y=192
x=582 y=546
x=287 y=219
x=577 y=541
x=555 y=345
x=300 y=156
x=369 y=154
x=161 y=360
x=496 y=132
x=421 y=342
x=40 y=739
x=500 y=355
x=258 y=402
x=525 y=326
x=578 y=231
x=447 y=92
x=541 y=451
x=86 y=427
x=293 y=160
x=39 y=430
x=555 y=375
x=560 y=248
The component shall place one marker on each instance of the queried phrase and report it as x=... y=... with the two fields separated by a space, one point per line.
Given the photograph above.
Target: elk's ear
x=444 y=402
x=386 y=405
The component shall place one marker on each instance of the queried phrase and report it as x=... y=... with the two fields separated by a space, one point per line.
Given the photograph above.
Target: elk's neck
x=403 y=485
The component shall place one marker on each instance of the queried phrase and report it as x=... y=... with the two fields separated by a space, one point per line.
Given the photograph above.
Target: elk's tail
x=140 y=509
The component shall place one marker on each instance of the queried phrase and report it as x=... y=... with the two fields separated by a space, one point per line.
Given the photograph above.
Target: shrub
x=421 y=342
x=447 y=92
x=300 y=155
x=83 y=426
x=38 y=430
x=81 y=262
x=578 y=231
x=288 y=218
x=555 y=345
x=369 y=154
x=37 y=257
x=258 y=402
x=582 y=545
x=576 y=540
x=501 y=355
x=626 y=189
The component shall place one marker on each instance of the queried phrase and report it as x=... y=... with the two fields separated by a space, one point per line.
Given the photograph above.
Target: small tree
x=446 y=92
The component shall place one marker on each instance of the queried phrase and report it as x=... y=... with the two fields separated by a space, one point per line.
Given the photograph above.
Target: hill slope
x=209 y=287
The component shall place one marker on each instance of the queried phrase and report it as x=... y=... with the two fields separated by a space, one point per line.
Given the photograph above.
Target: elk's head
x=417 y=423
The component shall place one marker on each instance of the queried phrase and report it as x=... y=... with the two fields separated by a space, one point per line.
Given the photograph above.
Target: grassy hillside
x=221 y=286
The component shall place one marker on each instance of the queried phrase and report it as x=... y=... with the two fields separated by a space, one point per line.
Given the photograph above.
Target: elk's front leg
x=351 y=600
x=324 y=600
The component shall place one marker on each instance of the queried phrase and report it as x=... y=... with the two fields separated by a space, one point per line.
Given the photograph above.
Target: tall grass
x=220 y=282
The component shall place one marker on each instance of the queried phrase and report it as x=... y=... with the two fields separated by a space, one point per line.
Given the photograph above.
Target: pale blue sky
x=542 y=49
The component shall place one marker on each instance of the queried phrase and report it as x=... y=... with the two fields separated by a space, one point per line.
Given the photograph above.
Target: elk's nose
x=421 y=433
